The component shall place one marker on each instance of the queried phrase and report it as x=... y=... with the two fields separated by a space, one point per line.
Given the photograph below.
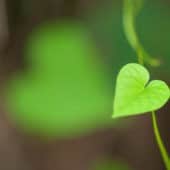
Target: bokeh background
x=129 y=143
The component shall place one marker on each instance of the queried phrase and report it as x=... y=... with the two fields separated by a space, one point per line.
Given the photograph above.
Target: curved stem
x=143 y=57
x=129 y=17
x=160 y=143
x=140 y=56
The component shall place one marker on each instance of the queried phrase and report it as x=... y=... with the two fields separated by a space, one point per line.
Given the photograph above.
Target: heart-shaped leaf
x=134 y=96
x=65 y=91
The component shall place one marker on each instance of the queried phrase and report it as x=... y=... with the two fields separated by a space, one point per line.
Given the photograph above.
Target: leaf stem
x=140 y=56
x=160 y=143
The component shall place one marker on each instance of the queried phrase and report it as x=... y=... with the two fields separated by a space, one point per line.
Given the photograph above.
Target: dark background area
x=135 y=144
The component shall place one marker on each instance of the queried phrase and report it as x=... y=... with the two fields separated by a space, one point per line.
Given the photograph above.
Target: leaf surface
x=134 y=95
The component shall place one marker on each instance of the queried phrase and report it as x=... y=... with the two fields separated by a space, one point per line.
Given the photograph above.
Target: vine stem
x=131 y=35
x=160 y=143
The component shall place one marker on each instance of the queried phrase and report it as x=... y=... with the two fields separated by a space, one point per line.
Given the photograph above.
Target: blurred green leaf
x=65 y=92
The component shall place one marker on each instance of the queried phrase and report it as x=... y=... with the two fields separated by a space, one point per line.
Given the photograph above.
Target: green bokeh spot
x=65 y=92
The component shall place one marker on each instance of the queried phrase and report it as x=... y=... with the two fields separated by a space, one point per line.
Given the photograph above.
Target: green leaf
x=65 y=91
x=134 y=95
